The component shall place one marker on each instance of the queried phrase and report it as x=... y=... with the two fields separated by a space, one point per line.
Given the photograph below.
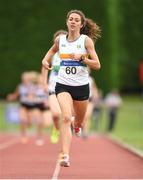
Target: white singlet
x=72 y=72
x=54 y=73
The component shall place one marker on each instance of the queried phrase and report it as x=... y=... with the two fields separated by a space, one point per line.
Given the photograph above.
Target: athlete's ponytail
x=91 y=29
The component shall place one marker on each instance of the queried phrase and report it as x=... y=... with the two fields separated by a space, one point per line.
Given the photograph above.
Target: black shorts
x=41 y=106
x=78 y=93
x=27 y=106
x=51 y=93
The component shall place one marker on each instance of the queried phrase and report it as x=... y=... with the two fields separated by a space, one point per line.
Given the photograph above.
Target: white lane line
x=56 y=172
x=8 y=143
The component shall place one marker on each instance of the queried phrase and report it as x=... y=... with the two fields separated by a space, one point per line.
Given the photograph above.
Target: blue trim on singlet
x=71 y=63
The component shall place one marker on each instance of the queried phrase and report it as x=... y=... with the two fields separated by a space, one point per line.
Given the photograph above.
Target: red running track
x=94 y=158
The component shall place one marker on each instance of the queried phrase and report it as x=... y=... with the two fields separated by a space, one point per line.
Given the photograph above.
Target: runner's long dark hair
x=90 y=28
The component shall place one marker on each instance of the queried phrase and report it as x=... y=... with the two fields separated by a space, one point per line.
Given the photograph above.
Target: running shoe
x=55 y=136
x=64 y=160
x=77 y=131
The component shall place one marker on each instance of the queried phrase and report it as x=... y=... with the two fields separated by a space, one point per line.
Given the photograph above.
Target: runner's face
x=74 y=22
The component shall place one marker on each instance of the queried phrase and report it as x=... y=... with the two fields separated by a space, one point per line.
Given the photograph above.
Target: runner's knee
x=67 y=119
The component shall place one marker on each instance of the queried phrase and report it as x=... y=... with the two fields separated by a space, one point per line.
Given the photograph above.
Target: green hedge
x=27 y=28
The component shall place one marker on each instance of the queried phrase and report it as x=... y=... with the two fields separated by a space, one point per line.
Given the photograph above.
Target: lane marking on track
x=56 y=171
x=8 y=143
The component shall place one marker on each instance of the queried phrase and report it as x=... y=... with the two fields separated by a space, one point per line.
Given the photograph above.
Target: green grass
x=3 y=124
x=129 y=124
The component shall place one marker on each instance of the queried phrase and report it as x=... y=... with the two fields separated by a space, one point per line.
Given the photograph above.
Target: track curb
x=125 y=145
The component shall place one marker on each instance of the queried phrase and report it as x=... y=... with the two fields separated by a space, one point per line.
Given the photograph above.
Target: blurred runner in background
x=53 y=102
x=113 y=102
x=89 y=112
x=24 y=93
x=40 y=106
